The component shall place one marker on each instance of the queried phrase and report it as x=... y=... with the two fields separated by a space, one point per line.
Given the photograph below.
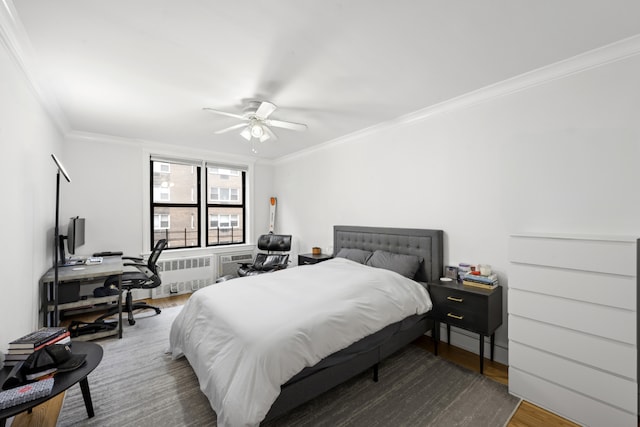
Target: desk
x=62 y=381
x=110 y=266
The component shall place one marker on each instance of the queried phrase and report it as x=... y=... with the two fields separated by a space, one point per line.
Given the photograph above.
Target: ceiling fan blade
x=269 y=134
x=224 y=113
x=265 y=109
x=286 y=125
x=230 y=128
x=246 y=133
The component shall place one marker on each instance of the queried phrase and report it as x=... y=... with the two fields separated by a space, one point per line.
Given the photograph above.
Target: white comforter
x=246 y=337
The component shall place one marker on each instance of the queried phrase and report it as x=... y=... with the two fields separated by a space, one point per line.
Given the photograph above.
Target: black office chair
x=144 y=277
x=274 y=259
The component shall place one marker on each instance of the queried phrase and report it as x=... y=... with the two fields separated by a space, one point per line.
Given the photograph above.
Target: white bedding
x=246 y=337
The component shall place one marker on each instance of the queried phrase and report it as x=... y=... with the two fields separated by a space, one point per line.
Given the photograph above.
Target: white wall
x=106 y=190
x=28 y=137
x=111 y=184
x=556 y=157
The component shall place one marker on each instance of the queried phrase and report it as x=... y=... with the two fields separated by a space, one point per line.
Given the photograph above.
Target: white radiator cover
x=573 y=326
x=185 y=275
x=228 y=263
x=188 y=274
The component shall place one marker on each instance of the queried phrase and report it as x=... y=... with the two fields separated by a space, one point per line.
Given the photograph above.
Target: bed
x=247 y=382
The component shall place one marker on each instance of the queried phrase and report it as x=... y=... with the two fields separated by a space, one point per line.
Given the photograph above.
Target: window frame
x=241 y=203
x=202 y=204
x=153 y=204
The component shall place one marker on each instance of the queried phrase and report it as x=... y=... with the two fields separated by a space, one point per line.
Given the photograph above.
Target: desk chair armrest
x=245 y=264
x=133 y=258
x=134 y=264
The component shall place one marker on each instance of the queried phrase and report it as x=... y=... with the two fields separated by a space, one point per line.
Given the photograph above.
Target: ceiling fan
x=256 y=122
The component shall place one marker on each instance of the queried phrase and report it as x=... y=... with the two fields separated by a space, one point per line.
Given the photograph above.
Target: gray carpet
x=137 y=384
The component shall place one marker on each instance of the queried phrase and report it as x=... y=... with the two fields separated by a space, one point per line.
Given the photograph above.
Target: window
x=173 y=207
x=177 y=206
x=224 y=221
x=161 y=167
x=225 y=206
x=162 y=192
x=218 y=194
x=161 y=222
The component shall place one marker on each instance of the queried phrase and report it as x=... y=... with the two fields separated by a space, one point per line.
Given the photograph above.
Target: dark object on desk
x=272 y=260
x=68 y=292
x=144 y=277
x=107 y=253
x=62 y=382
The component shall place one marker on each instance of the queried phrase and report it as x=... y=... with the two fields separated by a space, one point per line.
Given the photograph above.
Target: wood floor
x=527 y=414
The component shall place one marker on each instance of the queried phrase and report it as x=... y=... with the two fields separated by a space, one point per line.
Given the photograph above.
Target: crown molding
x=159 y=147
x=14 y=37
x=598 y=57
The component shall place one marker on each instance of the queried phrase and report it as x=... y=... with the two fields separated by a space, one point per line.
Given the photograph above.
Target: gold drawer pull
x=455 y=299
x=455 y=316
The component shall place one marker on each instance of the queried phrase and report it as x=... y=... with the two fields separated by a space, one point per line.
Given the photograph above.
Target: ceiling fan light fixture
x=256 y=130
x=257 y=124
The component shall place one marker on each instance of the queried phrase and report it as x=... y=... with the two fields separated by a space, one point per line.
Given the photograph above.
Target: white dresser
x=573 y=326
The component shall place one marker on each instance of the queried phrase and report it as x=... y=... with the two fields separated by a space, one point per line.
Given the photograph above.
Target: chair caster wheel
x=132 y=322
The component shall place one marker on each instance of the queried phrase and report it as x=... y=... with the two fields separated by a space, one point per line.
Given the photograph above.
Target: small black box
x=68 y=292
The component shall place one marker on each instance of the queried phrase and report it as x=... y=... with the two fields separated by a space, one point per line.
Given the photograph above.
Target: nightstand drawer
x=457 y=316
x=445 y=297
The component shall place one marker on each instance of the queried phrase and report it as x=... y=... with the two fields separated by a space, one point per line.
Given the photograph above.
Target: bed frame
x=427 y=244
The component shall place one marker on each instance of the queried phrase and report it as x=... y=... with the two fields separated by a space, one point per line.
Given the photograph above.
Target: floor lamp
x=57 y=238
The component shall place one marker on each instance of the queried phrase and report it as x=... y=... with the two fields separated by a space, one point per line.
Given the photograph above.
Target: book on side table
x=25 y=393
x=39 y=337
x=21 y=348
x=479 y=281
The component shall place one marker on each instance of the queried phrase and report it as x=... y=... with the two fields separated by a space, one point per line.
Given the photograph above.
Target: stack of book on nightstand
x=20 y=349
x=480 y=281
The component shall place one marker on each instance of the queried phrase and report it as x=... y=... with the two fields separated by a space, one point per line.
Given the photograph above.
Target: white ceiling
x=144 y=69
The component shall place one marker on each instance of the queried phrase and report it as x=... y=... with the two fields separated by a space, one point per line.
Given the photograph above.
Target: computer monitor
x=74 y=238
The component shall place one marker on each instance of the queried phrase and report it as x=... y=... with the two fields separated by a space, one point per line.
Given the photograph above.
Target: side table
x=62 y=381
x=474 y=309
x=306 y=259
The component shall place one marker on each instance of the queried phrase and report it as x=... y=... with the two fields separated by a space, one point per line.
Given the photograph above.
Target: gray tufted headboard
x=408 y=241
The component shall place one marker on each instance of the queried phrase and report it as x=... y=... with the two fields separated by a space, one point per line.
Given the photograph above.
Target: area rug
x=138 y=384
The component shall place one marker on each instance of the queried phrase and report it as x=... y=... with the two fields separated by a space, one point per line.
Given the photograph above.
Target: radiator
x=228 y=263
x=185 y=275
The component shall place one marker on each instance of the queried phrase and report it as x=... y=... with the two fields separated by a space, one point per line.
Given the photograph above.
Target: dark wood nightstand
x=305 y=259
x=476 y=310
